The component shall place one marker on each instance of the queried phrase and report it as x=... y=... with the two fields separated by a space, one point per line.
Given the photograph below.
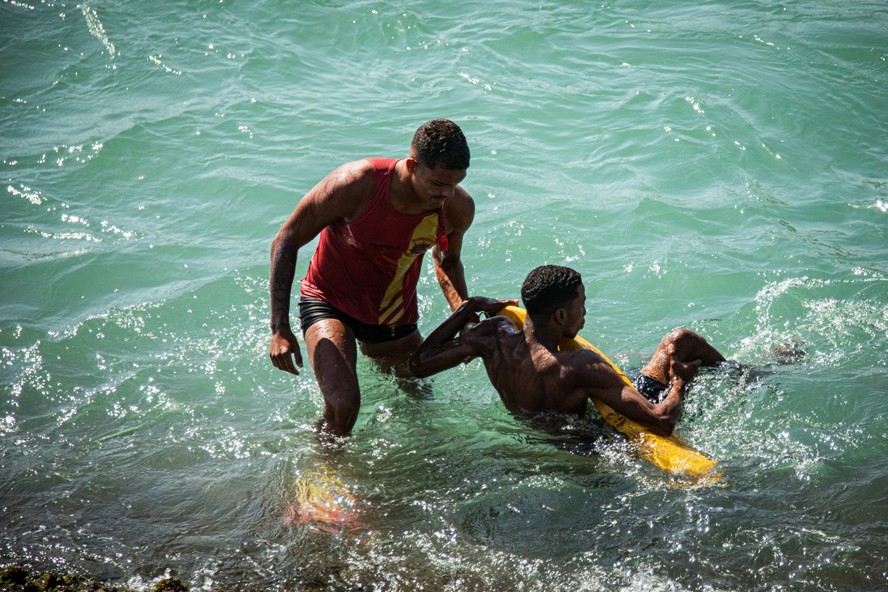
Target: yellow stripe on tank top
x=390 y=310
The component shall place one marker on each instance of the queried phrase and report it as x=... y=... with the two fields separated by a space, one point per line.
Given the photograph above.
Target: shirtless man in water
x=533 y=376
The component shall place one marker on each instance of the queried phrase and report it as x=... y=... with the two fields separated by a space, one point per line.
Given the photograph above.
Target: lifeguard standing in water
x=376 y=218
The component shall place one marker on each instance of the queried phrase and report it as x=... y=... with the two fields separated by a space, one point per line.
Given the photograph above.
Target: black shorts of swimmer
x=653 y=390
x=312 y=310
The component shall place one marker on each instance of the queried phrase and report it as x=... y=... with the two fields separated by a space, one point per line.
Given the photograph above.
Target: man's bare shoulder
x=353 y=175
x=493 y=325
x=461 y=197
x=459 y=210
x=488 y=333
x=343 y=192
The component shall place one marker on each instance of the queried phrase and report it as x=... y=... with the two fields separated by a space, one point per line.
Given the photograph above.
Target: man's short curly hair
x=548 y=288
x=441 y=141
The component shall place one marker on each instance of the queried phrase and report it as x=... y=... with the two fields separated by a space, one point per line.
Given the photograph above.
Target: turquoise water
x=720 y=166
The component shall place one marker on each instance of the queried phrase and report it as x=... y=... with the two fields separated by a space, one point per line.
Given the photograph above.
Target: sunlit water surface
x=720 y=166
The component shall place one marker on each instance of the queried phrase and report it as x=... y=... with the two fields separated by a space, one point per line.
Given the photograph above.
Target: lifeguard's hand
x=284 y=350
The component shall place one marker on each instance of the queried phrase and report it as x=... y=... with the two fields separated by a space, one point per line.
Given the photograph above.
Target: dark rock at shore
x=20 y=579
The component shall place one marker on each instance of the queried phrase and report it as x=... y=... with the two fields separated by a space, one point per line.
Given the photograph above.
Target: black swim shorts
x=312 y=310
x=653 y=390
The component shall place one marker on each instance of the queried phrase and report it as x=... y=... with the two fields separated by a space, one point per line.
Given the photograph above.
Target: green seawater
x=721 y=166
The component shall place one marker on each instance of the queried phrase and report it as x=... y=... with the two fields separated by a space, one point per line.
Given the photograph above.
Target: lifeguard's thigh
x=332 y=352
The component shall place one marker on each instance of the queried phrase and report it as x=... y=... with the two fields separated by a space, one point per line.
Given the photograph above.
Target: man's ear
x=560 y=315
x=411 y=164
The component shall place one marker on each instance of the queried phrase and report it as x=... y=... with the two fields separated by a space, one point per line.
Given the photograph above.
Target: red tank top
x=368 y=268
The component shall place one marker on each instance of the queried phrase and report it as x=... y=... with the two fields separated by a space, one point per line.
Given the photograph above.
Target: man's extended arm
x=660 y=418
x=441 y=350
x=624 y=399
